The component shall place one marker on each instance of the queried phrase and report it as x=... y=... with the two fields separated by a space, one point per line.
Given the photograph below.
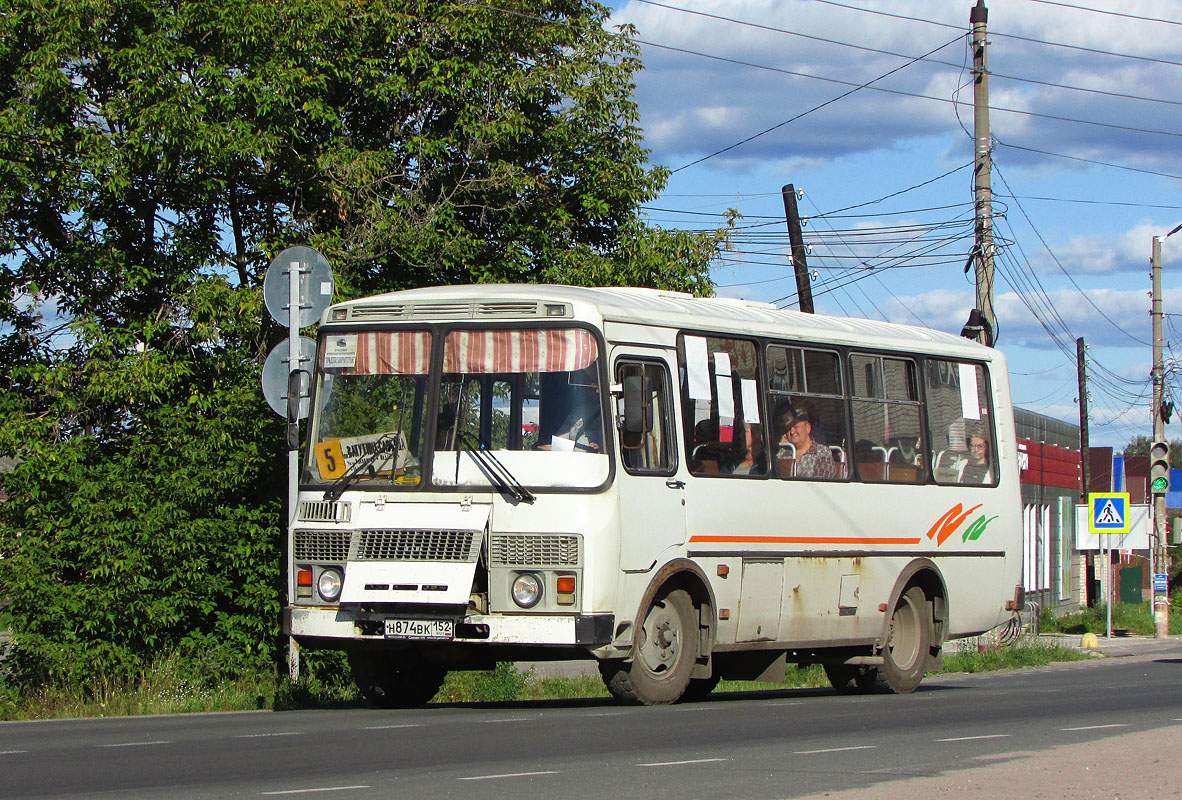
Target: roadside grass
x=168 y=688
x=1135 y=618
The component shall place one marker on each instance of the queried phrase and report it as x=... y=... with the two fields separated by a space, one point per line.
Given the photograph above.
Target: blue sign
x=1161 y=583
x=1108 y=512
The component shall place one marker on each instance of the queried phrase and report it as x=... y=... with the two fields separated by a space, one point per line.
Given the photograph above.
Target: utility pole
x=804 y=289
x=1085 y=473
x=1082 y=367
x=1161 y=601
x=982 y=169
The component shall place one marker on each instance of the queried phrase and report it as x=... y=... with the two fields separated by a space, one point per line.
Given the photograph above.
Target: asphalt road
x=751 y=745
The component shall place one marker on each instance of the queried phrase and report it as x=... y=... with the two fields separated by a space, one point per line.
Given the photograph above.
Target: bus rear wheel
x=663 y=656
x=387 y=681
x=905 y=656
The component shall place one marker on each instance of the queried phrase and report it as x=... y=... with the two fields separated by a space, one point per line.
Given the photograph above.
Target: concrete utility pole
x=982 y=168
x=804 y=289
x=1161 y=600
x=1081 y=364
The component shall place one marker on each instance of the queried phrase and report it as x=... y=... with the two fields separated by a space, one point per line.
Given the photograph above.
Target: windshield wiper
x=338 y=486
x=494 y=470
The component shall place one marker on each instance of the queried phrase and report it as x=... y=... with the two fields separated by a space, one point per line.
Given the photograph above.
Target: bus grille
x=320 y=511
x=377 y=545
x=555 y=550
x=321 y=546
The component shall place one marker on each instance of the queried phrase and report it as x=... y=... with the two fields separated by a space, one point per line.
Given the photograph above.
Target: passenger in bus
x=582 y=427
x=813 y=460
x=750 y=457
x=977 y=469
x=709 y=454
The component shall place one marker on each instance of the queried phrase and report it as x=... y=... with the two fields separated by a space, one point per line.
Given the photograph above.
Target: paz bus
x=680 y=489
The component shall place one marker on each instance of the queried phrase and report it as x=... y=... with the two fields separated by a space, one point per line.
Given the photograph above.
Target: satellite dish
x=315 y=289
x=276 y=371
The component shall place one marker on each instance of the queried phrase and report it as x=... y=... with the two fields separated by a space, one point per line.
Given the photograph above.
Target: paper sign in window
x=340 y=351
x=750 y=400
x=697 y=368
x=722 y=378
x=970 y=405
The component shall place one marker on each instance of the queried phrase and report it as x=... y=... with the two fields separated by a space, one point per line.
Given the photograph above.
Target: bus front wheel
x=663 y=656
x=390 y=682
x=905 y=656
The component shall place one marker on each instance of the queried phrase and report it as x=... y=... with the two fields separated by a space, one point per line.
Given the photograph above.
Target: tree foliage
x=154 y=156
x=1140 y=445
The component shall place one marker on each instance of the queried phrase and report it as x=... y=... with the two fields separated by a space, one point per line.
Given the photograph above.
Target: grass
x=165 y=689
x=1134 y=618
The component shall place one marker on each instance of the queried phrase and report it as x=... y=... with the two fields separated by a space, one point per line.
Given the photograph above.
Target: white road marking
x=835 y=750
x=507 y=775
x=319 y=789
x=606 y=714
x=512 y=719
x=265 y=735
x=133 y=744
x=779 y=705
x=679 y=763
x=390 y=727
x=974 y=738
x=11 y=752
x=1096 y=727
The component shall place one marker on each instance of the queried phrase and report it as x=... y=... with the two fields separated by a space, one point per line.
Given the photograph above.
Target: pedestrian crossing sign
x=1108 y=512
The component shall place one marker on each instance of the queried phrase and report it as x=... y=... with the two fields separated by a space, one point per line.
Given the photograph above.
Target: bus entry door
x=652 y=499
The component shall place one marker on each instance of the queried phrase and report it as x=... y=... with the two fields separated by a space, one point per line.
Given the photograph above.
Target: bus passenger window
x=886 y=413
x=959 y=422
x=810 y=417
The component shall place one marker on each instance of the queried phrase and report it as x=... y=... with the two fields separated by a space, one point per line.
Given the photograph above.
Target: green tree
x=154 y=156
x=1139 y=446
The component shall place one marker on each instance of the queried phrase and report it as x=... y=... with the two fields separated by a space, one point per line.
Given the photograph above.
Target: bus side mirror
x=638 y=413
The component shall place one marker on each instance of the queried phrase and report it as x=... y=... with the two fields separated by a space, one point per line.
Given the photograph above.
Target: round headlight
x=527 y=590
x=329 y=584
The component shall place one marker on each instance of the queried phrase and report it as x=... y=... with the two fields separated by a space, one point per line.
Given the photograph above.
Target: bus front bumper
x=580 y=630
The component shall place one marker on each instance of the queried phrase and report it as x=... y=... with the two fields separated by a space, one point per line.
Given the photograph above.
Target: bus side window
x=648 y=450
x=958 y=417
x=887 y=424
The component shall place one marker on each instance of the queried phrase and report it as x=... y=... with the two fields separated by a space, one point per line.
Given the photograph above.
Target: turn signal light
x=565 y=590
x=304 y=583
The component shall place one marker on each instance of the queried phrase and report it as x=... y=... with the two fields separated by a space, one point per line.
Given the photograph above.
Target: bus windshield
x=367 y=425
x=530 y=397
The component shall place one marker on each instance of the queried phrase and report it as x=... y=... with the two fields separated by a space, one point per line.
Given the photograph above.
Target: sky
x=866 y=107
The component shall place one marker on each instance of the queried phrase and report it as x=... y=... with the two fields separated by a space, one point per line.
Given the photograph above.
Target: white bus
x=681 y=489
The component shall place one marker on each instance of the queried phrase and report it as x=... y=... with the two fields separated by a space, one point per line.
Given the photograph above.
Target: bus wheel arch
x=913 y=629
x=671 y=640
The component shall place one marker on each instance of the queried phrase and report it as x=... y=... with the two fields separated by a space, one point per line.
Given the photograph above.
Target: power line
x=892 y=53
x=1001 y=143
x=998 y=34
x=856 y=88
x=1101 y=11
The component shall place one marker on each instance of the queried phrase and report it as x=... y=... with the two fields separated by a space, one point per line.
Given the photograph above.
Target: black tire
x=663 y=656
x=905 y=656
x=699 y=688
x=389 y=682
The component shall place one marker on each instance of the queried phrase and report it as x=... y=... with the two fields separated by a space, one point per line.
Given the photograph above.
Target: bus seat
x=872 y=470
x=786 y=465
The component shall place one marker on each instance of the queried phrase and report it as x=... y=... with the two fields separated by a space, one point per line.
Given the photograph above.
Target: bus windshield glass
x=530 y=397
x=367 y=425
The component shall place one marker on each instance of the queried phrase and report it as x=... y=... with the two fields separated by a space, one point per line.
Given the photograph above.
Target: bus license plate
x=420 y=629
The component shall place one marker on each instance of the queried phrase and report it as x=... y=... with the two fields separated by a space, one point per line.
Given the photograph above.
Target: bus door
x=652 y=499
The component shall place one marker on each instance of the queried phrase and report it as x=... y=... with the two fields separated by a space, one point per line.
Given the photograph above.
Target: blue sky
x=1076 y=235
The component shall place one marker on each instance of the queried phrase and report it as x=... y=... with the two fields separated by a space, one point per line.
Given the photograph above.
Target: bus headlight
x=527 y=590
x=329 y=584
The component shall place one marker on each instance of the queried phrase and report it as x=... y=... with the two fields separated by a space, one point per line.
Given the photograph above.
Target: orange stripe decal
x=803 y=540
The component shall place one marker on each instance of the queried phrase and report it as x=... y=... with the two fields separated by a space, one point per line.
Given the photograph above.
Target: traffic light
x=1159 y=467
